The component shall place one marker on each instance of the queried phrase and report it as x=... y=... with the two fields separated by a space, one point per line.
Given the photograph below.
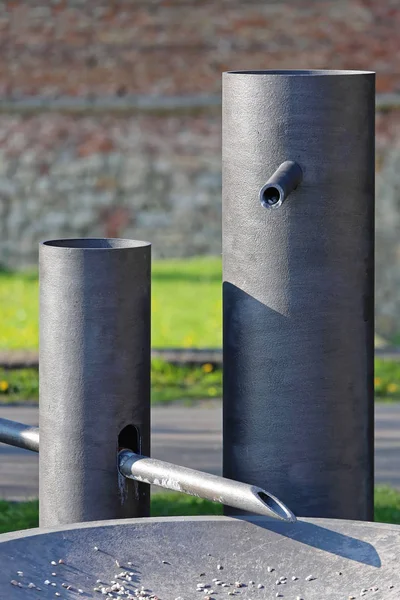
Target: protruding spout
x=278 y=187
x=248 y=498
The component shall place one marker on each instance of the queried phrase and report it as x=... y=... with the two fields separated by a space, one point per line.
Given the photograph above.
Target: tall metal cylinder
x=94 y=377
x=298 y=289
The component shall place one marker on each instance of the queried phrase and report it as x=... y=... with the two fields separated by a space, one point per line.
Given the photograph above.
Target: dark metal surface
x=332 y=560
x=298 y=289
x=94 y=376
x=249 y=498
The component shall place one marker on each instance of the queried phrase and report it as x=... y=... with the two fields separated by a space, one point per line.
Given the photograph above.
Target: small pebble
x=202 y=575
x=294 y=578
x=117 y=563
x=299 y=598
x=225 y=585
x=57 y=594
x=129 y=564
x=47 y=582
x=352 y=598
x=391 y=586
x=31 y=586
x=220 y=567
x=53 y=562
x=310 y=578
x=251 y=582
x=282 y=578
x=53 y=584
x=54 y=574
x=61 y=562
x=278 y=595
x=64 y=585
x=278 y=582
x=270 y=569
x=80 y=591
x=13 y=582
x=165 y=562
x=238 y=584
x=260 y=586
x=20 y=573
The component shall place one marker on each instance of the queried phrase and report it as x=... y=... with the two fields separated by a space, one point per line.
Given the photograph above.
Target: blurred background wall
x=110 y=115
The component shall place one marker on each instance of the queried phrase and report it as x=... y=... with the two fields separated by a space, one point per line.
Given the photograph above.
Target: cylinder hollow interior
x=300 y=72
x=96 y=243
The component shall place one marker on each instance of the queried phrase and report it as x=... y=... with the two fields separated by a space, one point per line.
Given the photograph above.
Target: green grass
x=186 y=305
x=169 y=383
x=24 y=515
x=387 y=505
x=387 y=380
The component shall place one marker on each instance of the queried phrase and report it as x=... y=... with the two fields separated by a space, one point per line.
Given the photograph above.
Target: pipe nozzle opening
x=278 y=187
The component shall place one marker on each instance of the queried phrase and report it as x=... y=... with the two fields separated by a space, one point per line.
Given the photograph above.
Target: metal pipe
x=298 y=289
x=173 y=477
x=278 y=187
x=94 y=372
x=20 y=435
x=249 y=498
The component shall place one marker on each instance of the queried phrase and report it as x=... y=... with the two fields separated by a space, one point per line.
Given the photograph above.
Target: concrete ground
x=190 y=437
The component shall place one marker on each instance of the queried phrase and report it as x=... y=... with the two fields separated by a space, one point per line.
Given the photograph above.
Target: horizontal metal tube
x=20 y=435
x=278 y=187
x=248 y=498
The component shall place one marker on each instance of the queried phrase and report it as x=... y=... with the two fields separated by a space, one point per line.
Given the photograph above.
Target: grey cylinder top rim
x=300 y=72
x=95 y=244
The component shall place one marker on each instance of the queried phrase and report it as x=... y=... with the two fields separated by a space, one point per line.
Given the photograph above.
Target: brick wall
x=164 y=47
x=110 y=116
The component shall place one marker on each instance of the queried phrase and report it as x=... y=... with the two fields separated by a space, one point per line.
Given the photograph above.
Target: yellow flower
x=377 y=381
x=4 y=386
x=208 y=368
x=392 y=387
x=187 y=341
x=212 y=391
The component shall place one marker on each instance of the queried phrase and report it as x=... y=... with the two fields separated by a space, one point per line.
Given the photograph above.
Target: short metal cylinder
x=298 y=289
x=94 y=377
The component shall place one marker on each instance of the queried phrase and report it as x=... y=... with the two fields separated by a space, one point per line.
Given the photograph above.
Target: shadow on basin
x=322 y=538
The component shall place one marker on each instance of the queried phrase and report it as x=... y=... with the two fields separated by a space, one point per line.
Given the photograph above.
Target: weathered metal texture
x=94 y=376
x=298 y=289
x=167 y=556
x=250 y=498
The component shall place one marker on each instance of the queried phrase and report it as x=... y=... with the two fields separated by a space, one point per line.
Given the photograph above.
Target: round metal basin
x=168 y=557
